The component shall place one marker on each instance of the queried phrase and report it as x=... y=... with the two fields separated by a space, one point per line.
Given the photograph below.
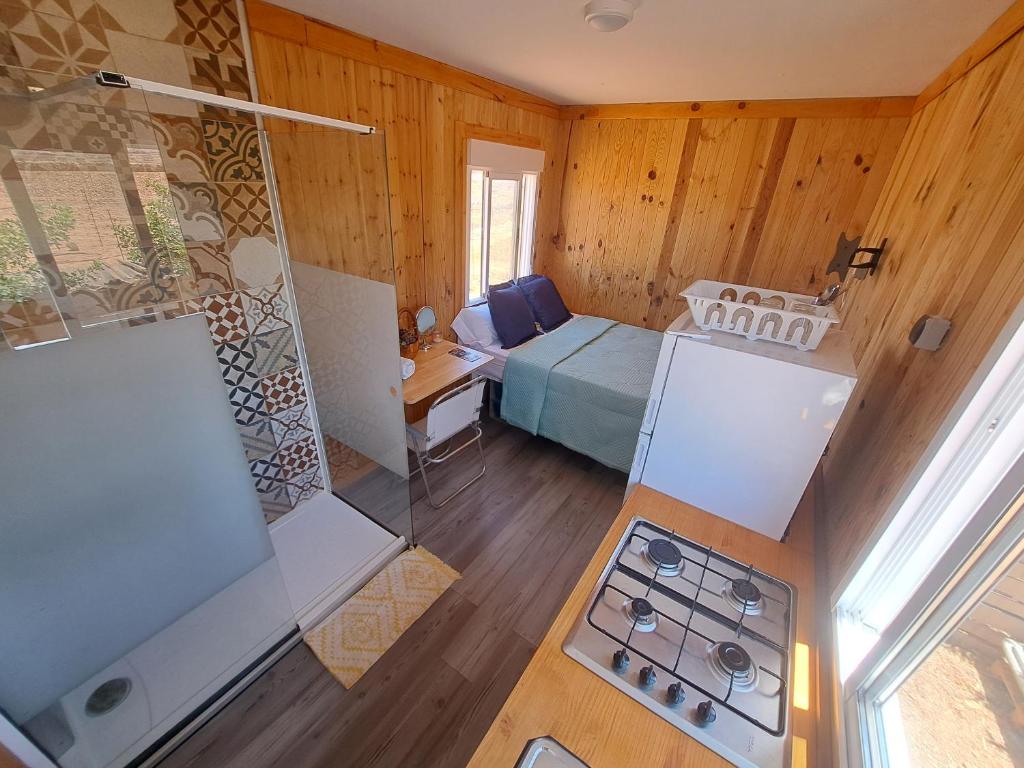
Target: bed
x=584 y=384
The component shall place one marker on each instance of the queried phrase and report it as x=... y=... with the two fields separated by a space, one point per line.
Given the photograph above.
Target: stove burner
x=733 y=657
x=729 y=661
x=664 y=556
x=744 y=596
x=641 y=614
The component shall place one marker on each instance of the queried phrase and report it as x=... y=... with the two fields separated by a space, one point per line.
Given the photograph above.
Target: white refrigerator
x=736 y=427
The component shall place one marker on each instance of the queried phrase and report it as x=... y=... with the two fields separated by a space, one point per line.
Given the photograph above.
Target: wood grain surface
x=953 y=211
x=650 y=205
x=304 y=65
x=884 y=106
x=437 y=369
x=520 y=537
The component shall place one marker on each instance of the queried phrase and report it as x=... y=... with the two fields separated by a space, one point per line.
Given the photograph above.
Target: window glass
x=109 y=270
x=501 y=213
x=503 y=230
x=527 y=221
x=476 y=233
x=964 y=704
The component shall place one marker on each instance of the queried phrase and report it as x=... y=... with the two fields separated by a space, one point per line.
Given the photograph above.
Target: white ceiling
x=680 y=50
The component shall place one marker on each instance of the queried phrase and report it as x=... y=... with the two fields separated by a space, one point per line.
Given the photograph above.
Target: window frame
x=981 y=540
x=986 y=549
x=523 y=209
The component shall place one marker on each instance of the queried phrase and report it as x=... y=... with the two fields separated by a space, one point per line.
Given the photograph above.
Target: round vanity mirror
x=426 y=321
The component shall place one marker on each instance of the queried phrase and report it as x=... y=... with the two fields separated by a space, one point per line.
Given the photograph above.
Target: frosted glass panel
x=128 y=505
x=350 y=335
x=333 y=188
x=137 y=577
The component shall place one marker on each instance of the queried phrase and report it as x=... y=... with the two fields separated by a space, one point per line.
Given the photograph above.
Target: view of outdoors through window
x=476 y=233
x=964 y=705
x=499 y=208
x=80 y=205
x=501 y=258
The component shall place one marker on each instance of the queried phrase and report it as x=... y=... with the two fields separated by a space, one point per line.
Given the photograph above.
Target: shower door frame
x=261 y=111
x=12 y=737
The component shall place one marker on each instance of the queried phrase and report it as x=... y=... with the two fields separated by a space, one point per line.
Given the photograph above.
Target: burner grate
x=723 y=657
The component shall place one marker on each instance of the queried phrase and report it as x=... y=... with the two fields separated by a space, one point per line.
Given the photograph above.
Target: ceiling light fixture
x=609 y=15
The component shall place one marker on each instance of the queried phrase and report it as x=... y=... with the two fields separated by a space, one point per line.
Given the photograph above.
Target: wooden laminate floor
x=520 y=537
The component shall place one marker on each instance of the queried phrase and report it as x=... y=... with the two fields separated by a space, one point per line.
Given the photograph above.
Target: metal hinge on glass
x=112 y=80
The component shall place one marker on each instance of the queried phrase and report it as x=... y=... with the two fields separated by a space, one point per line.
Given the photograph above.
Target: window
x=930 y=628
x=943 y=684
x=501 y=215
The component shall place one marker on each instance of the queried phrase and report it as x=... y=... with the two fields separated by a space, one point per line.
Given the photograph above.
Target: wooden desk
x=436 y=369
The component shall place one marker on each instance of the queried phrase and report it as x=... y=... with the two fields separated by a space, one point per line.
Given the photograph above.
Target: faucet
x=827 y=296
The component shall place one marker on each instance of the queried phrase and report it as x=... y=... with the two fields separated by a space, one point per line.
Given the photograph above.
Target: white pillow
x=473 y=326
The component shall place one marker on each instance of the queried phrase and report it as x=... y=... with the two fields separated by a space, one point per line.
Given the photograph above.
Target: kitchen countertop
x=558 y=697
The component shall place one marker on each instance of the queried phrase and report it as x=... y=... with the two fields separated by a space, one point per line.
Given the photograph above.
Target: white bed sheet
x=495 y=369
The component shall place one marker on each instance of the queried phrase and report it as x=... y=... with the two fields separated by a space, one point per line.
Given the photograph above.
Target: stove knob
x=706 y=714
x=648 y=677
x=620 y=661
x=675 y=695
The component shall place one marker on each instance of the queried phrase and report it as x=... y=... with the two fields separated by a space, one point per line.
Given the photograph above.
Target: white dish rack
x=759 y=313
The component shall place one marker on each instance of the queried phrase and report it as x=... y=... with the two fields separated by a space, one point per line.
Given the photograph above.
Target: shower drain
x=108 y=696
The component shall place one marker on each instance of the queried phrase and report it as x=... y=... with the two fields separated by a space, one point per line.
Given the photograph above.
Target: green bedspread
x=585 y=385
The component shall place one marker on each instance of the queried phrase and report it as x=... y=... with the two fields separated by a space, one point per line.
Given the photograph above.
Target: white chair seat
x=416 y=435
x=450 y=415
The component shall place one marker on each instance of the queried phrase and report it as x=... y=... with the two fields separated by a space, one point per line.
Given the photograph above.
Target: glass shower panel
x=137 y=575
x=333 y=188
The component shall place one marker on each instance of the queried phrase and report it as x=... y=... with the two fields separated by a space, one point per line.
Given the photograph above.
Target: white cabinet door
x=668 y=344
x=740 y=434
x=639 y=458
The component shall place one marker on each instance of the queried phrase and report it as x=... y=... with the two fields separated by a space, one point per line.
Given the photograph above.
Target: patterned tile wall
x=191 y=43
x=209 y=160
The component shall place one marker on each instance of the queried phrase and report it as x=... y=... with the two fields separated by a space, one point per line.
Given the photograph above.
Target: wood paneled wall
x=334 y=199
x=637 y=201
x=302 y=64
x=650 y=205
x=953 y=210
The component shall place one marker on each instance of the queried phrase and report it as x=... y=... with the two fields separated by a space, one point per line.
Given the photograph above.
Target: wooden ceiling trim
x=882 y=106
x=289 y=25
x=281 y=22
x=276 y=21
x=1001 y=30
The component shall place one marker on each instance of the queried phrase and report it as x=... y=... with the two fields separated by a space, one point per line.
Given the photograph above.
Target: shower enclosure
x=335 y=205
x=170 y=443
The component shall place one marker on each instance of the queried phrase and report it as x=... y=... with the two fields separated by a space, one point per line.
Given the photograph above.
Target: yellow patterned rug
x=352 y=638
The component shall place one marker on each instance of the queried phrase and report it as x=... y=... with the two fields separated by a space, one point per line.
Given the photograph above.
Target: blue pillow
x=500 y=287
x=545 y=302
x=511 y=315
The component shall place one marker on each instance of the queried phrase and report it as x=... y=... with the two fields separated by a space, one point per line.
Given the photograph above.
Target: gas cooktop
x=696 y=637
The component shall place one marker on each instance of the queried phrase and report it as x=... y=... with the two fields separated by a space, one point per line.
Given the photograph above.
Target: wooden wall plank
x=781 y=136
x=953 y=210
x=273 y=20
x=418 y=118
x=761 y=201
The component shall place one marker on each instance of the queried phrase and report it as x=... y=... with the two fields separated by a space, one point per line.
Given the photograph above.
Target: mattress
x=495 y=369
